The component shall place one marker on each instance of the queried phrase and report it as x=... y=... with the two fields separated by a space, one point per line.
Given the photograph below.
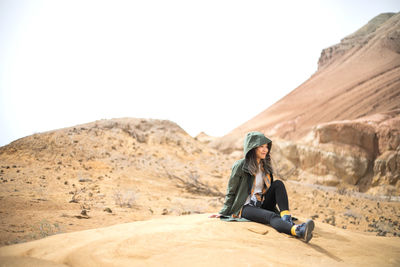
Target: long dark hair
x=252 y=165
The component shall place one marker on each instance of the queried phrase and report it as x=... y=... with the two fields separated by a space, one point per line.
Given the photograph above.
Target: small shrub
x=44 y=228
x=125 y=199
x=342 y=191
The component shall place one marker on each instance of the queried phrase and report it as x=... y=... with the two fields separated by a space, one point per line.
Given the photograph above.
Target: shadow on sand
x=324 y=251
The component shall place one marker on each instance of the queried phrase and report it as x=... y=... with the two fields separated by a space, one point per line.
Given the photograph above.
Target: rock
x=82 y=217
x=330 y=220
x=204 y=138
x=351 y=133
x=387 y=169
x=165 y=212
x=329 y=166
x=108 y=210
x=84 y=180
x=357 y=39
x=346 y=153
x=388 y=134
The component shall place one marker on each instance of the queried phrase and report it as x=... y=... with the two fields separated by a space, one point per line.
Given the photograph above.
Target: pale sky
x=206 y=65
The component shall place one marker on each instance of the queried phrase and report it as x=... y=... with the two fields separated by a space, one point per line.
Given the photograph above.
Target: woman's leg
x=266 y=217
x=276 y=194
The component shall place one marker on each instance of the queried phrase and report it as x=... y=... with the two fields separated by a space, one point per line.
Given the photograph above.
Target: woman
x=252 y=193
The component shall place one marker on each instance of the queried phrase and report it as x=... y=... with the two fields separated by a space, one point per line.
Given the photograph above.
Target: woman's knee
x=278 y=183
x=277 y=223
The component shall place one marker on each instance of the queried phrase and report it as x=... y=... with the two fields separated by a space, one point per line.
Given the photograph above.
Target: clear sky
x=206 y=65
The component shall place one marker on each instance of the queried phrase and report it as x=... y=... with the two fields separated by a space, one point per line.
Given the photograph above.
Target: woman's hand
x=214 y=216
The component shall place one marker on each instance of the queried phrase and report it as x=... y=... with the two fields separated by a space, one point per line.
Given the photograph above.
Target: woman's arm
x=231 y=190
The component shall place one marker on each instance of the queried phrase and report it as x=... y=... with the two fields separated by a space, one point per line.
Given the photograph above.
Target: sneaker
x=304 y=230
x=287 y=218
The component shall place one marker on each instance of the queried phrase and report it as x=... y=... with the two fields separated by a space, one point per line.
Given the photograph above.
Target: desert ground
x=128 y=202
x=139 y=192
x=197 y=240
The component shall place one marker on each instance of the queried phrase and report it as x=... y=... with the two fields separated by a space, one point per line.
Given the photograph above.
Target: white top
x=258 y=189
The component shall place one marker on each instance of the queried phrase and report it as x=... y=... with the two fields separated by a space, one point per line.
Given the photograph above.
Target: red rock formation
x=349 y=107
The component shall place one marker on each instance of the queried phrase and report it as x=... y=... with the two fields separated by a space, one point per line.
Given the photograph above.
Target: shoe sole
x=308 y=232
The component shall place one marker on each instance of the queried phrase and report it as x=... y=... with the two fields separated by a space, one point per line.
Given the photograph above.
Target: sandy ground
x=133 y=192
x=30 y=210
x=60 y=189
x=197 y=240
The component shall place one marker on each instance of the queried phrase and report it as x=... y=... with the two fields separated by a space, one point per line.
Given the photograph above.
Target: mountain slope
x=343 y=123
x=356 y=78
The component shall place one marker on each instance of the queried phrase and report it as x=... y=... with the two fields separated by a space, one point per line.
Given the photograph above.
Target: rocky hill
x=342 y=125
x=105 y=172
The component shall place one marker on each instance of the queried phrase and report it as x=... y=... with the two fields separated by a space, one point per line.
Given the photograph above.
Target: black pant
x=266 y=214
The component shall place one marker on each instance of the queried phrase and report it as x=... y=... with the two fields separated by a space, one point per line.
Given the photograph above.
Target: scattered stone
x=82 y=217
x=164 y=212
x=108 y=210
x=84 y=180
x=74 y=200
x=315 y=216
x=350 y=213
x=330 y=220
x=381 y=233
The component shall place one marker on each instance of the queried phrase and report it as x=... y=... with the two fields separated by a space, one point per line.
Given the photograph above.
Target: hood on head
x=255 y=139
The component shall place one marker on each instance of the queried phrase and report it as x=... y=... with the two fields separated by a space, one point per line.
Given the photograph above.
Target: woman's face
x=262 y=151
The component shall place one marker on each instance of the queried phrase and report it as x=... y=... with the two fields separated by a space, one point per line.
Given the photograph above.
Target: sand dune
x=197 y=240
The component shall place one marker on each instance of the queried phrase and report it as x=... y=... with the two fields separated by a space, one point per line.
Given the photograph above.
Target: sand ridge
x=197 y=240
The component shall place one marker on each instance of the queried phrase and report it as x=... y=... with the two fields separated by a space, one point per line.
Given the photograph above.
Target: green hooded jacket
x=241 y=180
